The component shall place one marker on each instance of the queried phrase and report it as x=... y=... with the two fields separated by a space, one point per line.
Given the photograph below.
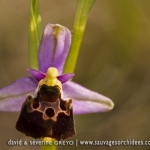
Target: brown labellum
x=47 y=115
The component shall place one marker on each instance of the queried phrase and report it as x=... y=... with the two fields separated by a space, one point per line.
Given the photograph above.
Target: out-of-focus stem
x=82 y=12
x=34 y=33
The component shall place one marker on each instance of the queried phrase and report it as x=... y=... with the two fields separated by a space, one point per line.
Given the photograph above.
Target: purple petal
x=37 y=75
x=12 y=104
x=65 y=77
x=86 y=101
x=12 y=96
x=54 y=47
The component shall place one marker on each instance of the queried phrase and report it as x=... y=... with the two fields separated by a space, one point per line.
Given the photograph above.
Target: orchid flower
x=53 y=50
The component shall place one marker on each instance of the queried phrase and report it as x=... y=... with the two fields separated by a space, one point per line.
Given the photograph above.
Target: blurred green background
x=114 y=60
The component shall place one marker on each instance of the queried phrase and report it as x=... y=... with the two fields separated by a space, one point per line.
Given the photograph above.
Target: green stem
x=82 y=11
x=34 y=33
x=49 y=147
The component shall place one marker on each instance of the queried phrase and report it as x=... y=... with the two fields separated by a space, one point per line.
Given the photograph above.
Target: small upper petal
x=54 y=47
x=37 y=75
x=12 y=96
x=65 y=77
x=86 y=101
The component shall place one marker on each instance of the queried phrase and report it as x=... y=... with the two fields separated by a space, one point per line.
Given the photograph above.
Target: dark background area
x=114 y=60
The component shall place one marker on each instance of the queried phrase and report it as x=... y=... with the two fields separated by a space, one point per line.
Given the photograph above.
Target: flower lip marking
x=49 y=93
x=47 y=114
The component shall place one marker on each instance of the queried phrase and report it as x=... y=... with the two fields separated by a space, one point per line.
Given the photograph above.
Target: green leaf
x=34 y=33
x=82 y=12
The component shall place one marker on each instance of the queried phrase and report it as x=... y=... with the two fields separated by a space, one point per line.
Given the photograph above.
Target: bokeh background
x=114 y=60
